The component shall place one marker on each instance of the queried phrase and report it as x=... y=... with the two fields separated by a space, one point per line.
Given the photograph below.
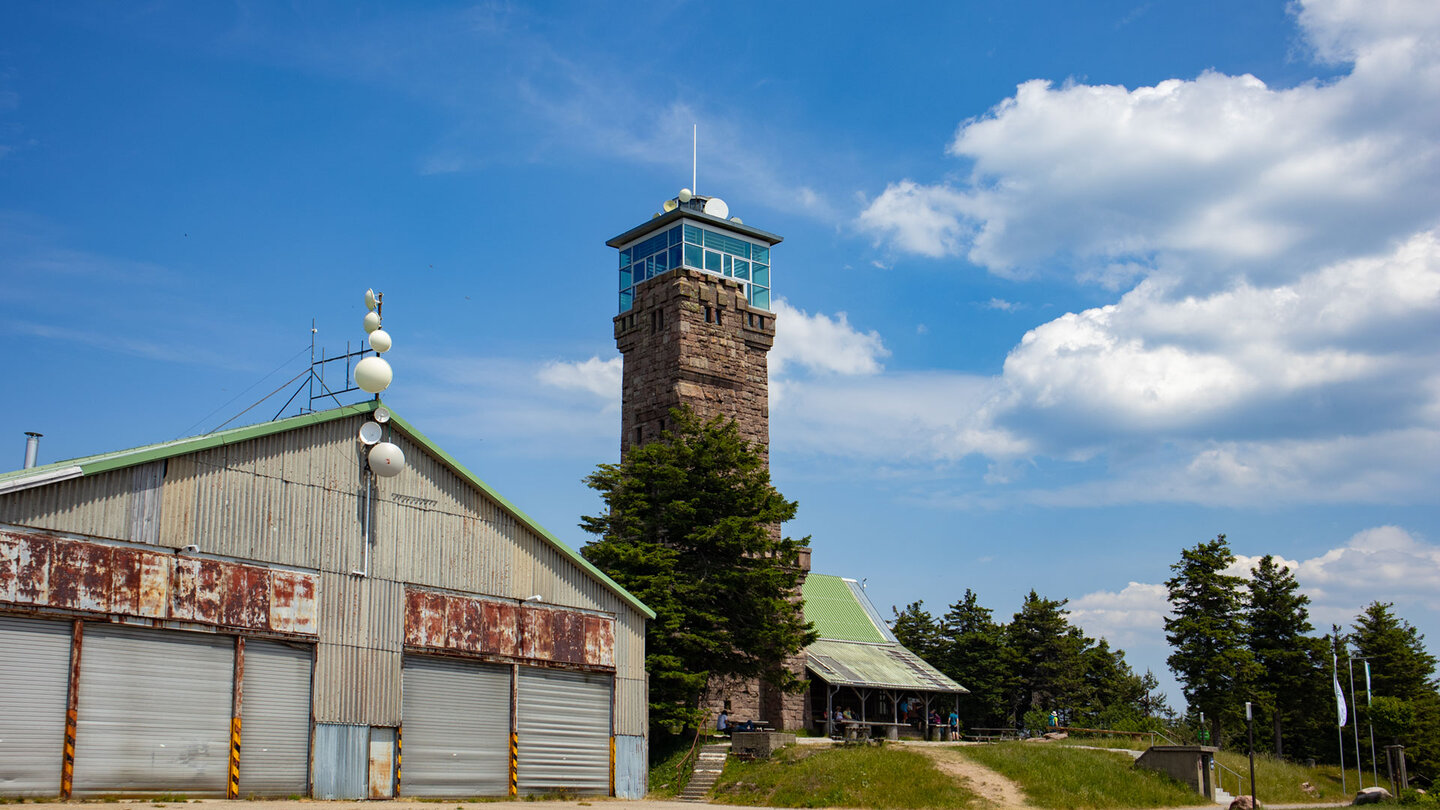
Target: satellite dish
x=386 y=460
x=373 y=375
x=670 y=205
x=370 y=432
x=382 y=415
x=372 y=321
x=716 y=207
x=686 y=195
x=370 y=300
x=736 y=220
x=380 y=341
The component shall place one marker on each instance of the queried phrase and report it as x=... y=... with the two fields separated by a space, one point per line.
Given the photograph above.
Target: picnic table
x=854 y=727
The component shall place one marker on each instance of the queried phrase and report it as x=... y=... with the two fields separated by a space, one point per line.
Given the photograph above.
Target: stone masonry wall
x=692 y=339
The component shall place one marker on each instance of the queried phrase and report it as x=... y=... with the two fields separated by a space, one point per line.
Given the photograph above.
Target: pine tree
x=1288 y=658
x=1049 y=655
x=979 y=658
x=1207 y=634
x=917 y=630
x=688 y=530
x=1400 y=667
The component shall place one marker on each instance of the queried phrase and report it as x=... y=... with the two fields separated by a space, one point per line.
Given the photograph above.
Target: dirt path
x=994 y=789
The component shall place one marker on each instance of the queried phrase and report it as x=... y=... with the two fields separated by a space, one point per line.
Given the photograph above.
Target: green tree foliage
x=1050 y=657
x=979 y=658
x=1018 y=673
x=1392 y=717
x=1208 y=634
x=1400 y=667
x=1287 y=685
x=689 y=529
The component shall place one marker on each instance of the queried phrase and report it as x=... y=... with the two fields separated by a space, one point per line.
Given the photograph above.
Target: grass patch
x=1064 y=777
x=878 y=778
x=667 y=778
x=1277 y=781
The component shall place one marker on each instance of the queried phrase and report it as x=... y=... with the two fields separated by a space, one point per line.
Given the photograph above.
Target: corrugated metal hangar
x=251 y=613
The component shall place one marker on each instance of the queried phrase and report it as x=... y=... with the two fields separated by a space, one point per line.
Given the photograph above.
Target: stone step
x=1221 y=797
x=708 y=765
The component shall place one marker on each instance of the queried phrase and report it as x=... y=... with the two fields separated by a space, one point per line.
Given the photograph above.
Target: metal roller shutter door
x=456 y=723
x=154 y=713
x=564 y=726
x=34 y=685
x=275 y=719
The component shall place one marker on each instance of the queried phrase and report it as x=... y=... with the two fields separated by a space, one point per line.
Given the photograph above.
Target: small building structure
x=857 y=664
x=254 y=613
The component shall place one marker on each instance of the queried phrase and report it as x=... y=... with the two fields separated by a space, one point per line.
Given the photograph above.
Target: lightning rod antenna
x=694 y=155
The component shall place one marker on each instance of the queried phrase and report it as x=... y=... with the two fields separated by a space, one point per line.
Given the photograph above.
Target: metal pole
x=1355 y=722
x=1369 y=721
x=1250 y=735
x=1340 y=722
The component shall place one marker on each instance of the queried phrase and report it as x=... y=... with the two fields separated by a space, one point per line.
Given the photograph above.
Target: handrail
x=1239 y=789
x=680 y=769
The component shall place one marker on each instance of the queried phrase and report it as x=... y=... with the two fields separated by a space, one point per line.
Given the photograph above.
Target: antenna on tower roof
x=694 y=156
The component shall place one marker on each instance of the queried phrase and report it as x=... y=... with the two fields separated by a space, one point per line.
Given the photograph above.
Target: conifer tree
x=979 y=658
x=1208 y=633
x=1401 y=667
x=1049 y=656
x=688 y=530
x=1289 y=681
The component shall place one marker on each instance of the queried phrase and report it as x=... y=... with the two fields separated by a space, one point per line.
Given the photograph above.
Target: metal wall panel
x=632 y=705
x=97 y=505
x=342 y=761
x=457 y=728
x=275 y=719
x=145 y=501
x=632 y=770
x=357 y=685
x=362 y=611
x=563 y=719
x=34 y=685
x=154 y=712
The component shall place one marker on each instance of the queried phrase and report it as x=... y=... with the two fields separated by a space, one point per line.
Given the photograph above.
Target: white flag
x=1339 y=699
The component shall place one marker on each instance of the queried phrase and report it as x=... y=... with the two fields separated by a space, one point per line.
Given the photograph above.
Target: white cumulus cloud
x=823 y=343
x=600 y=377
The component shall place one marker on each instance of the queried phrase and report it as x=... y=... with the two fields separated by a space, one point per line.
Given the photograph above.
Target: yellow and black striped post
x=232 y=790
x=514 y=764
x=399 y=755
x=67 y=770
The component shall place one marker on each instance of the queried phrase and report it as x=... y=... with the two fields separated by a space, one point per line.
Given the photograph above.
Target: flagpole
x=1370 y=721
x=1355 y=719
x=1340 y=725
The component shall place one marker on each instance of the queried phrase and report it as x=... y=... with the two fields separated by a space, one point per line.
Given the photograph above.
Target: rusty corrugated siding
x=40 y=570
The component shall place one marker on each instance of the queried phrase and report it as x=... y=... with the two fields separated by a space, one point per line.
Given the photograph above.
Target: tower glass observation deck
x=686 y=236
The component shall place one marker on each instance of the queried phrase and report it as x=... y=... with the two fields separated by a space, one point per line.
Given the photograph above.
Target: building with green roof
x=858 y=664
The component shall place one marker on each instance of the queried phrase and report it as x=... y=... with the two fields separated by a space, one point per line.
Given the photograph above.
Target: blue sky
x=1064 y=289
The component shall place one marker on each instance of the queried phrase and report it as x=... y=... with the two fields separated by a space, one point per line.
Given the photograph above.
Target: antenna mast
x=694 y=156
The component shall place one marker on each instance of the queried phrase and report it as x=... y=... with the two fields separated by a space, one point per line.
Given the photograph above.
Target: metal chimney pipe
x=32 y=448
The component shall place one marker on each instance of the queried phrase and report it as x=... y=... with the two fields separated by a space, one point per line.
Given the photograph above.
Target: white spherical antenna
x=370 y=300
x=370 y=432
x=373 y=375
x=372 y=321
x=381 y=415
x=686 y=195
x=670 y=205
x=386 y=460
x=380 y=341
x=716 y=207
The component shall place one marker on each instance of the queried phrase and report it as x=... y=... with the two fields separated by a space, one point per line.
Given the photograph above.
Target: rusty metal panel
x=293 y=602
x=32 y=569
x=156 y=576
x=197 y=590
x=245 y=600
x=9 y=567
x=569 y=637
x=599 y=641
x=502 y=628
x=466 y=631
x=536 y=634
x=79 y=576
x=124 y=576
x=424 y=618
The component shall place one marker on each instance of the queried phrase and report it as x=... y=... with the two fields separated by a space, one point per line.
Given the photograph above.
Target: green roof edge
x=107 y=462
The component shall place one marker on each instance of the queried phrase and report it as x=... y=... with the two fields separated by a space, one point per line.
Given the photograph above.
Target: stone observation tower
x=695 y=327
